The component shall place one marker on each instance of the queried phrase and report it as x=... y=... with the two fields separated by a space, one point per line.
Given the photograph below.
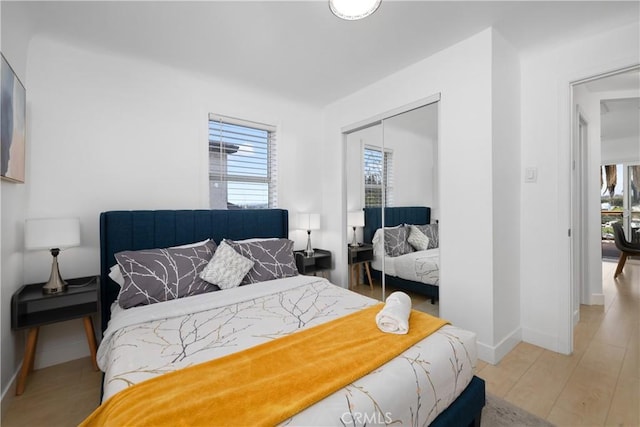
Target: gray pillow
x=157 y=275
x=227 y=268
x=395 y=241
x=431 y=231
x=273 y=259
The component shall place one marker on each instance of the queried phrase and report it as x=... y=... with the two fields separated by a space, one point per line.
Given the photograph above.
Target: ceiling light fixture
x=352 y=10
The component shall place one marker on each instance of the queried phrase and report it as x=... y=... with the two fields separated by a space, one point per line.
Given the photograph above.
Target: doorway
x=605 y=131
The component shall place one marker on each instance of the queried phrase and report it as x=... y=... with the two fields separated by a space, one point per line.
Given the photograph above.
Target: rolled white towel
x=394 y=316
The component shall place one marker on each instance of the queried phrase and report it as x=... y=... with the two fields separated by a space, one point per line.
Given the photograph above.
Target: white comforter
x=419 y=266
x=412 y=389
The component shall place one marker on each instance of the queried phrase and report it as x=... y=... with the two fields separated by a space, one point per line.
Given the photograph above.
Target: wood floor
x=597 y=385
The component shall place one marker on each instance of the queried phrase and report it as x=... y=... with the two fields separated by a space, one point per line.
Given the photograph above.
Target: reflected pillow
x=273 y=259
x=157 y=275
x=417 y=239
x=395 y=241
x=227 y=268
x=431 y=231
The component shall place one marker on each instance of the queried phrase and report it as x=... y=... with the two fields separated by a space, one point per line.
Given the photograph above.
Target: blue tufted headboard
x=135 y=230
x=393 y=216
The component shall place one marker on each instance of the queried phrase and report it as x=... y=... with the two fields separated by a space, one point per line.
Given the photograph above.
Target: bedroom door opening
x=605 y=131
x=391 y=161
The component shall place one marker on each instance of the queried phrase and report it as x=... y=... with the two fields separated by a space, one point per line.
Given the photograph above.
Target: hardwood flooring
x=598 y=385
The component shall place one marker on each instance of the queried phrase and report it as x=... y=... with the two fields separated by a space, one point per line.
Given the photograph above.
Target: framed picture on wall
x=13 y=109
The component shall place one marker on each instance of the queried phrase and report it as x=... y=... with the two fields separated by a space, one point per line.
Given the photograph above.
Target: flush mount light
x=353 y=9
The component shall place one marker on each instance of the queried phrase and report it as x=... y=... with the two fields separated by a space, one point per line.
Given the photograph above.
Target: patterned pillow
x=273 y=259
x=431 y=231
x=417 y=239
x=395 y=241
x=157 y=275
x=227 y=268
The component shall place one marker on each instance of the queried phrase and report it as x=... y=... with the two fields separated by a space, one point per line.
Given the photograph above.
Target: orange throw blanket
x=266 y=384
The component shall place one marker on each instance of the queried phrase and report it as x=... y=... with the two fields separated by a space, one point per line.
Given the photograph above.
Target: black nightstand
x=30 y=308
x=319 y=262
x=362 y=254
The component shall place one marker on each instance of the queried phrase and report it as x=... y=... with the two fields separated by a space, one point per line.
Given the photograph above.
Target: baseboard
x=596 y=299
x=576 y=317
x=550 y=342
x=494 y=354
x=9 y=392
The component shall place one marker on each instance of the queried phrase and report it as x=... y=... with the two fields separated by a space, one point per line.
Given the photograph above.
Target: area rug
x=500 y=413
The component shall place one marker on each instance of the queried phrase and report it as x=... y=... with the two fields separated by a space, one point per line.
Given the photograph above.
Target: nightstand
x=358 y=255
x=320 y=261
x=30 y=308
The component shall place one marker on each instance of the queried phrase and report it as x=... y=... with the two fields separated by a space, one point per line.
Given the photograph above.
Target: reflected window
x=378 y=175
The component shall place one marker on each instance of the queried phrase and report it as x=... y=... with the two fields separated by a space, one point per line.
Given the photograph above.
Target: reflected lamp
x=355 y=219
x=52 y=234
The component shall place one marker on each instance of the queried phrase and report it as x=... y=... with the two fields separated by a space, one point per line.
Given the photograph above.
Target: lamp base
x=309 y=251
x=55 y=285
x=354 y=243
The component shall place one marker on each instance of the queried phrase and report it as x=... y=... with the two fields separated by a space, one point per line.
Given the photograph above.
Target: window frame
x=221 y=139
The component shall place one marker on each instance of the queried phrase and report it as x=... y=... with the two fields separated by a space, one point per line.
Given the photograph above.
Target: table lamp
x=355 y=219
x=308 y=221
x=52 y=234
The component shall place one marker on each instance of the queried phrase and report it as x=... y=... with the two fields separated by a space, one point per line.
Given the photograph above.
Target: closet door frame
x=377 y=119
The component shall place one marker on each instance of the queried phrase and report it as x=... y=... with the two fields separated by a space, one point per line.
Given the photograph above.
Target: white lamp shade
x=355 y=219
x=353 y=9
x=308 y=221
x=50 y=233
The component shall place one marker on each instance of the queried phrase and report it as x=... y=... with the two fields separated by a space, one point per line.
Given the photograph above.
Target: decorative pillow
x=227 y=268
x=395 y=241
x=273 y=259
x=417 y=239
x=116 y=275
x=156 y=275
x=431 y=231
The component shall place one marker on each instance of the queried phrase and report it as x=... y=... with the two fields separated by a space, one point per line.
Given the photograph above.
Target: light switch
x=531 y=174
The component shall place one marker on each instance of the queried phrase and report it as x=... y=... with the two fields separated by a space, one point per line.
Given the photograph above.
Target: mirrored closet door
x=392 y=162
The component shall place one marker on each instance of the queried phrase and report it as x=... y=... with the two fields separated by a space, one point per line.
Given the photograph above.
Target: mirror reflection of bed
x=407 y=265
x=392 y=162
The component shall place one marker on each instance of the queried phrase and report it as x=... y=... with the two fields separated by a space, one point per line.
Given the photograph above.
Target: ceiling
x=298 y=49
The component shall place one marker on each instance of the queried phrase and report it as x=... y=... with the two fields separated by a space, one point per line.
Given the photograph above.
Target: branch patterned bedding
x=144 y=342
x=418 y=266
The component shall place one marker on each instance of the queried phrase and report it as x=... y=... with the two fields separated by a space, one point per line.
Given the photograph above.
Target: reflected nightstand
x=358 y=255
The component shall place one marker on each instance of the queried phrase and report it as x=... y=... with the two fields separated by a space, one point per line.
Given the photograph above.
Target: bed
x=416 y=271
x=136 y=347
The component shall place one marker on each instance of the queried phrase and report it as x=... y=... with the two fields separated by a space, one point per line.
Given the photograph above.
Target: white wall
x=14 y=42
x=413 y=156
x=590 y=291
x=462 y=74
x=545 y=210
x=110 y=132
x=506 y=180
x=620 y=150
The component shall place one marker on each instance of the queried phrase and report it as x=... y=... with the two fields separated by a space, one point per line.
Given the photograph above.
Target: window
x=242 y=166
x=378 y=171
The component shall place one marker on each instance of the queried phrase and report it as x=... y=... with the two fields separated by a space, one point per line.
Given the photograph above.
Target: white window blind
x=378 y=171
x=242 y=164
